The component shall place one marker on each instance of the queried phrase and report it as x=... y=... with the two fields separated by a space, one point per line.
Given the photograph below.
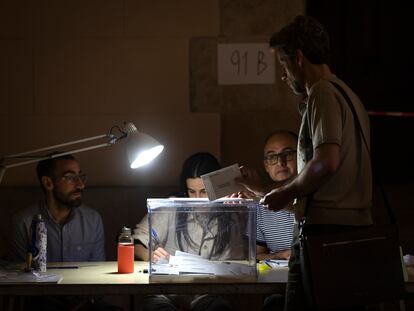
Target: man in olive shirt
x=334 y=167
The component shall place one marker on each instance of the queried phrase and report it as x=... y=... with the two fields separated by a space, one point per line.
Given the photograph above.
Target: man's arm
x=20 y=240
x=262 y=253
x=141 y=252
x=141 y=235
x=99 y=249
x=254 y=185
x=317 y=172
x=252 y=182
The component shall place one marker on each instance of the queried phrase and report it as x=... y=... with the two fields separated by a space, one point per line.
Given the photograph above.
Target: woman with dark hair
x=196 y=165
x=191 y=185
x=204 y=234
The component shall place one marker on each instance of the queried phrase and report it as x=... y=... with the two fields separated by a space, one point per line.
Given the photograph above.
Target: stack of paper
x=185 y=263
x=12 y=277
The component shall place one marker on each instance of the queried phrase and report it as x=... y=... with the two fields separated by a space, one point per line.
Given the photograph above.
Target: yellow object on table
x=263 y=267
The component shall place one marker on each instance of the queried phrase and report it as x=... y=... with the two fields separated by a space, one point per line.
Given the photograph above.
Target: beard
x=66 y=200
x=297 y=87
x=297 y=83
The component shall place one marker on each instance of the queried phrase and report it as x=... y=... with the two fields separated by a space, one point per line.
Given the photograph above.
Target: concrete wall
x=72 y=69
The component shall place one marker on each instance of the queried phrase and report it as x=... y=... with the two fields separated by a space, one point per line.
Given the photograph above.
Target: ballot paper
x=222 y=182
x=184 y=263
x=276 y=263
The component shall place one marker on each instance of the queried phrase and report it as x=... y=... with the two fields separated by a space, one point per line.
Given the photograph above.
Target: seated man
x=274 y=229
x=74 y=231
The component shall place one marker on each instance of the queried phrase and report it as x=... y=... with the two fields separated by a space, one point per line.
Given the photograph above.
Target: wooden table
x=101 y=278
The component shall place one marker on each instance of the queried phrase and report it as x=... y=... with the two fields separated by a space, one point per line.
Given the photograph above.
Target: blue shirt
x=80 y=238
x=274 y=229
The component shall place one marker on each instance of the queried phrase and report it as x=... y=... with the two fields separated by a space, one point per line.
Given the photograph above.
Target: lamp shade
x=142 y=149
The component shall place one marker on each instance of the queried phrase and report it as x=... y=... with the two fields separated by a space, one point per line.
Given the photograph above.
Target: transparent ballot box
x=201 y=240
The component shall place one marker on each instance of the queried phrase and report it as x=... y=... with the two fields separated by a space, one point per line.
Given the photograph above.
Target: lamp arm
x=56 y=155
x=2 y=171
x=112 y=139
x=32 y=158
x=110 y=136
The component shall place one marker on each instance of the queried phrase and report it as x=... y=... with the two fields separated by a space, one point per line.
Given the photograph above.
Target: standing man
x=74 y=231
x=333 y=161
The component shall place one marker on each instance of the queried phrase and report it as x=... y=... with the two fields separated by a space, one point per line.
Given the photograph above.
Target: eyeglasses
x=273 y=158
x=74 y=178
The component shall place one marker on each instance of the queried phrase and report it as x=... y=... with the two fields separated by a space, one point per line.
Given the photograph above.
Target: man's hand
x=264 y=253
x=245 y=194
x=251 y=181
x=278 y=198
x=285 y=254
x=160 y=253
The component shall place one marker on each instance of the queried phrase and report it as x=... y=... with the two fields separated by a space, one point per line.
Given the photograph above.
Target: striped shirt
x=274 y=229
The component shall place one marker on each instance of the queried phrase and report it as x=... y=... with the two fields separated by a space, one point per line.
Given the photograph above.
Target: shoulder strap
x=391 y=213
x=351 y=106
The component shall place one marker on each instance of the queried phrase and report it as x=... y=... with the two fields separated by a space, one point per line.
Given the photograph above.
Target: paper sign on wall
x=251 y=63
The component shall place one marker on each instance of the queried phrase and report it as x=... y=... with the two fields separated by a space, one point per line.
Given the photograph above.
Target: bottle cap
x=38 y=217
x=126 y=230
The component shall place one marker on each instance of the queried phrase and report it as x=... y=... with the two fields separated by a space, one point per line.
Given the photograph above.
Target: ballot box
x=197 y=239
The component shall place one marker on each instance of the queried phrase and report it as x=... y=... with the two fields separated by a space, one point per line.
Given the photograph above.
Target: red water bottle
x=125 y=251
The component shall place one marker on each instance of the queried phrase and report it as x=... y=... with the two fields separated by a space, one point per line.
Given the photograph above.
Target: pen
x=277 y=262
x=63 y=267
x=155 y=236
x=268 y=264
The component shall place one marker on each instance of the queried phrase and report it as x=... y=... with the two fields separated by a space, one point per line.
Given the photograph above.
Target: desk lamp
x=141 y=148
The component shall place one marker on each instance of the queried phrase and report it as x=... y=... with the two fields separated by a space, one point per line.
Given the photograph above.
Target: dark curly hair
x=306 y=34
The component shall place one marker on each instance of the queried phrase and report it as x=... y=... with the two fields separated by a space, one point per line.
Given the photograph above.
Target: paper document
x=185 y=263
x=276 y=263
x=222 y=182
x=11 y=277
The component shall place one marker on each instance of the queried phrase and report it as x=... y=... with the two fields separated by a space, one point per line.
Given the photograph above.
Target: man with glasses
x=74 y=231
x=274 y=229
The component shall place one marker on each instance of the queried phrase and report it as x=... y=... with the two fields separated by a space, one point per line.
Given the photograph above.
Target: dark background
x=372 y=53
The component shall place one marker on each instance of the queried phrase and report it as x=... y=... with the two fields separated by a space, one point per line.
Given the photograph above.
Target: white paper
x=182 y=258
x=409 y=260
x=222 y=182
x=185 y=263
x=164 y=269
x=10 y=277
x=276 y=263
